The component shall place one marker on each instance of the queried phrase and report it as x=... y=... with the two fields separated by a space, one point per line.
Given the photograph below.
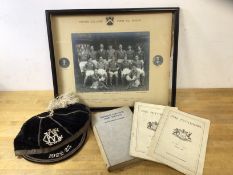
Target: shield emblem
x=109 y=20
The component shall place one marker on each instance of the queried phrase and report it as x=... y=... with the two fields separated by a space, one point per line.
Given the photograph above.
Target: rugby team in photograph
x=112 y=68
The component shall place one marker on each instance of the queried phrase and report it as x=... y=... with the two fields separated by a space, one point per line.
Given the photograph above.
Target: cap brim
x=60 y=154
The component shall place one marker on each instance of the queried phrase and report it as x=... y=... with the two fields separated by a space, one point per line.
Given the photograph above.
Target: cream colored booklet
x=180 y=141
x=145 y=121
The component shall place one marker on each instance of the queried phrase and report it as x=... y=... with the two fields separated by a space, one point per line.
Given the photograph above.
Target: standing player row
x=86 y=51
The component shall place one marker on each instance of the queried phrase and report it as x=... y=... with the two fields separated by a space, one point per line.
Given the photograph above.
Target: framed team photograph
x=97 y=69
x=115 y=57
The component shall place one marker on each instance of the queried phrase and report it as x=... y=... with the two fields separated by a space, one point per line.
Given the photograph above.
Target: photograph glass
x=113 y=61
x=115 y=57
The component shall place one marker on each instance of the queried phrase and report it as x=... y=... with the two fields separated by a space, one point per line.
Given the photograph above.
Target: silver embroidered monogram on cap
x=51 y=137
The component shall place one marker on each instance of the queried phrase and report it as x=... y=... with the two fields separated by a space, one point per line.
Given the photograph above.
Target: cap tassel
x=62 y=101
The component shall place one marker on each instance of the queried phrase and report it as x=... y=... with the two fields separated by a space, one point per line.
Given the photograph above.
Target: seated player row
x=127 y=70
x=85 y=52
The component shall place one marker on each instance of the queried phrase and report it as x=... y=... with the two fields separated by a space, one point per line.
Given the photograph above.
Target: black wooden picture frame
x=173 y=10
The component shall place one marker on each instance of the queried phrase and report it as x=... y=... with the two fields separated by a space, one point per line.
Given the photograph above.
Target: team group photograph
x=112 y=66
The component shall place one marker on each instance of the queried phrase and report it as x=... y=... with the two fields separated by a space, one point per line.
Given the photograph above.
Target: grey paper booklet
x=112 y=131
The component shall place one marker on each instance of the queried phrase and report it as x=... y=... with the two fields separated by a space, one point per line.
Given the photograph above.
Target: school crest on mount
x=109 y=20
x=51 y=137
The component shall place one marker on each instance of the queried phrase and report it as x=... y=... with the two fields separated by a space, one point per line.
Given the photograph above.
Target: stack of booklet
x=158 y=133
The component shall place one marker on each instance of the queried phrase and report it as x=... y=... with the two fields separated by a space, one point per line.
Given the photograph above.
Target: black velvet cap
x=52 y=137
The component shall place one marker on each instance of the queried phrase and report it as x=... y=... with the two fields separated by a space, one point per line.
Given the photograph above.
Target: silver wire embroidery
x=51 y=137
